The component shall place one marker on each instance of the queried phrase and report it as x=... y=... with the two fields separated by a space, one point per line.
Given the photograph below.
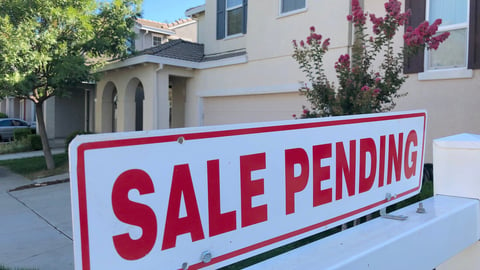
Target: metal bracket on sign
x=383 y=211
x=383 y=214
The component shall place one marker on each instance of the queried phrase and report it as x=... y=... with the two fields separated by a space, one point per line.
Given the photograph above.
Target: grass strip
x=35 y=167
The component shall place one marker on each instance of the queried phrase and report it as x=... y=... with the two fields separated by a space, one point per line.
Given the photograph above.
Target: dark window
x=291 y=5
x=234 y=20
x=157 y=40
x=231 y=17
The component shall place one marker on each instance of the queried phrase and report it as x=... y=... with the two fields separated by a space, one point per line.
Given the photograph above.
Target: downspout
x=351 y=29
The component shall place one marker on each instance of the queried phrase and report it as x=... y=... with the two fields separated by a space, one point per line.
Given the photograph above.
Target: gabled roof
x=191 y=12
x=159 y=25
x=180 y=22
x=188 y=51
x=153 y=24
x=178 y=49
x=181 y=53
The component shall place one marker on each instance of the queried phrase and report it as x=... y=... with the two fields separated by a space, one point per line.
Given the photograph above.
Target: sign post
x=208 y=197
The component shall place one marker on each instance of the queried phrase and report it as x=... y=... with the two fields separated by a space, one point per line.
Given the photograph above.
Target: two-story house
x=242 y=70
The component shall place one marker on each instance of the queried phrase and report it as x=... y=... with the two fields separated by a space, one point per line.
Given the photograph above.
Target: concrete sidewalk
x=35 y=226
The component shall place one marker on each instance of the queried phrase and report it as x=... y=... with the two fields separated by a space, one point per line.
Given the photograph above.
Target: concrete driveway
x=35 y=225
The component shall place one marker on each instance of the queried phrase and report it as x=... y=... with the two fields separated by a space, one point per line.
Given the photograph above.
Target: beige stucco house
x=241 y=69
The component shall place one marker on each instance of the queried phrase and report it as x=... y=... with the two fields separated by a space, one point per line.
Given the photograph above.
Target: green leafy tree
x=50 y=47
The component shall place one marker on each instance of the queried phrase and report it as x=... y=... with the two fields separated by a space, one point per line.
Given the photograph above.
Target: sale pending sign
x=207 y=197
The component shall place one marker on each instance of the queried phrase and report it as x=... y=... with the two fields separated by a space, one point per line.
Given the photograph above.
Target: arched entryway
x=139 y=98
x=134 y=105
x=109 y=108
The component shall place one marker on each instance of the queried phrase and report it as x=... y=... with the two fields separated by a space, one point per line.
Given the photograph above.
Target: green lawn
x=35 y=167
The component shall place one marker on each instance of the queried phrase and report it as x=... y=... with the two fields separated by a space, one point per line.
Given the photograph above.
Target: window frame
x=153 y=40
x=290 y=12
x=415 y=64
x=442 y=28
x=227 y=9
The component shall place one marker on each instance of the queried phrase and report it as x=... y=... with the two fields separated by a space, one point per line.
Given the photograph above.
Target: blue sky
x=167 y=10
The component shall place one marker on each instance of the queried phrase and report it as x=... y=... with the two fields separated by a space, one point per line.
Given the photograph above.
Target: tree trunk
x=47 y=152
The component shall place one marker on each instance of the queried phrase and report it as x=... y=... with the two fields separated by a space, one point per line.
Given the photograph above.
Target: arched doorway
x=114 y=99
x=139 y=98
x=109 y=108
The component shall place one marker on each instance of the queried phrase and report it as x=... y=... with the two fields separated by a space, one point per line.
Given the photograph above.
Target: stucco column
x=125 y=108
x=97 y=103
x=163 y=105
x=150 y=101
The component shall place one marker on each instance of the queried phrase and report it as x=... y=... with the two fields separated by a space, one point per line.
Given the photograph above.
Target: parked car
x=8 y=125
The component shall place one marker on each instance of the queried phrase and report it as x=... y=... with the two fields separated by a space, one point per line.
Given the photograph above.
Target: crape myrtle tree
x=50 y=47
x=364 y=86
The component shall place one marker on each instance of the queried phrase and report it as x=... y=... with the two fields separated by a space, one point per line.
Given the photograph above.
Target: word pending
x=358 y=166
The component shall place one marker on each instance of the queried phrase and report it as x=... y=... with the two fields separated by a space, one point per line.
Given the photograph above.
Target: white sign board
x=159 y=199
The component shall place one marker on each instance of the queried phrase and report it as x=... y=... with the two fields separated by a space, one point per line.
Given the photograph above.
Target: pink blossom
x=358 y=17
x=309 y=40
x=377 y=23
x=378 y=80
x=294 y=43
x=376 y=91
x=305 y=111
x=312 y=28
x=326 y=43
x=343 y=62
x=393 y=7
x=314 y=36
x=302 y=44
x=365 y=88
x=434 y=42
x=424 y=34
x=294 y=115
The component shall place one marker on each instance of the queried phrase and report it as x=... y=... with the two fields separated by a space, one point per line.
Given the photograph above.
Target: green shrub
x=2 y=115
x=21 y=133
x=15 y=146
x=72 y=136
x=35 y=141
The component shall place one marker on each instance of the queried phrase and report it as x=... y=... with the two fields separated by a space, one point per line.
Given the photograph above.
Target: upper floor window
x=234 y=18
x=157 y=40
x=460 y=53
x=291 y=5
x=231 y=17
x=455 y=19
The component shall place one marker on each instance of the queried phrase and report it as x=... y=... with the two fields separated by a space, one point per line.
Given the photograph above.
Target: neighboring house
x=151 y=34
x=18 y=108
x=241 y=69
x=66 y=115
